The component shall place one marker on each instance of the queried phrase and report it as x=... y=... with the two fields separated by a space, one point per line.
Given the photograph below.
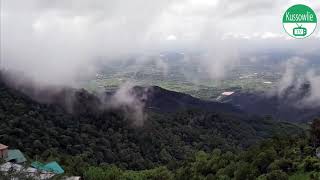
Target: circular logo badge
x=299 y=21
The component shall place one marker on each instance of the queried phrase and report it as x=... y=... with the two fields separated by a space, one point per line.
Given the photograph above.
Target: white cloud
x=171 y=37
x=270 y=35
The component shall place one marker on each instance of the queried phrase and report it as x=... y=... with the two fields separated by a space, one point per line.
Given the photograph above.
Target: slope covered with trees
x=278 y=158
x=91 y=136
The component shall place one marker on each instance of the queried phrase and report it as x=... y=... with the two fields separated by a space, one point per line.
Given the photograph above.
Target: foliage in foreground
x=279 y=158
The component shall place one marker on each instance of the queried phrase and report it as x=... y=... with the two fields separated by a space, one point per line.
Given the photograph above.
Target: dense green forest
x=278 y=158
x=191 y=144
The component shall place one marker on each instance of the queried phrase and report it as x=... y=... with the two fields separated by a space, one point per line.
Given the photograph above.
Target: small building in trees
x=11 y=155
x=29 y=172
x=3 y=151
x=15 y=156
x=53 y=167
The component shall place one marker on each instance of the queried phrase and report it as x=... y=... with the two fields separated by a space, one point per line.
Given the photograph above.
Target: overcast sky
x=58 y=40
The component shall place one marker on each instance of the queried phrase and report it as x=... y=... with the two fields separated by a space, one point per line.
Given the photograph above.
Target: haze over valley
x=163 y=90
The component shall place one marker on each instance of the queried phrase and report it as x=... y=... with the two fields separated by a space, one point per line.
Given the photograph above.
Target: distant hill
x=287 y=107
x=161 y=100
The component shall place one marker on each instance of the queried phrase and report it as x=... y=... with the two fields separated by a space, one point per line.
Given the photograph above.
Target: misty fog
x=63 y=43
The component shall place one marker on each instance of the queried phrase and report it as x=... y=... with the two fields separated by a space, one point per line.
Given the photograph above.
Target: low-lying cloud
x=64 y=43
x=289 y=77
x=296 y=77
x=125 y=98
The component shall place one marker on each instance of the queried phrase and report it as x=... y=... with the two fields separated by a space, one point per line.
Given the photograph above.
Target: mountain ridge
x=289 y=105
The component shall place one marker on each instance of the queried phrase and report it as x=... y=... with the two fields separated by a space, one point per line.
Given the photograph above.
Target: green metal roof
x=37 y=165
x=16 y=156
x=51 y=167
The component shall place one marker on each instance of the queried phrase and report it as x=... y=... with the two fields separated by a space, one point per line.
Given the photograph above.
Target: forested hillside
x=278 y=158
x=91 y=136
